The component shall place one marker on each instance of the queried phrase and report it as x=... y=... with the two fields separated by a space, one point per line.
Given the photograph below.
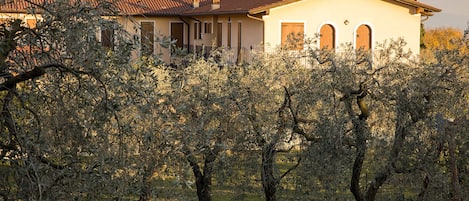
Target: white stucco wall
x=162 y=28
x=251 y=31
x=387 y=20
x=22 y=16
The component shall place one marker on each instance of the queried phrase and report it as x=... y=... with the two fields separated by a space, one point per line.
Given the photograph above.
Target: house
x=242 y=25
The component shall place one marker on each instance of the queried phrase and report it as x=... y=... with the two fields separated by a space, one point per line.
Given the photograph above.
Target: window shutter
x=147 y=37
x=363 y=37
x=327 y=37
x=292 y=35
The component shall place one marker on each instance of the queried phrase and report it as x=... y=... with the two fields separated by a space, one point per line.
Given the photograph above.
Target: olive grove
x=80 y=121
x=61 y=133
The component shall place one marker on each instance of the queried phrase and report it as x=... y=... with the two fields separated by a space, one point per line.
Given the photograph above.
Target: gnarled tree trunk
x=361 y=131
x=269 y=182
x=203 y=177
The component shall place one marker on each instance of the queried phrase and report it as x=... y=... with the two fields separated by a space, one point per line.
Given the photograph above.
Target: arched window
x=363 y=37
x=327 y=37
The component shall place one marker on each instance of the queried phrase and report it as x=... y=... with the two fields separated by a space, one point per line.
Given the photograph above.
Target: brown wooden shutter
x=219 y=34
x=196 y=31
x=147 y=37
x=363 y=38
x=107 y=38
x=292 y=32
x=228 y=37
x=31 y=23
x=239 y=59
x=208 y=27
x=327 y=37
x=177 y=33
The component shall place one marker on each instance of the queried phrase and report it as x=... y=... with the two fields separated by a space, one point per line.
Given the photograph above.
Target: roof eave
x=216 y=13
x=428 y=8
x=14 y=11
x=426 y=13
x=153 y=15
x=266 y=8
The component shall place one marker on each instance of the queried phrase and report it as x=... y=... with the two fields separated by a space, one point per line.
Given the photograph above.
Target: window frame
x=152 y=40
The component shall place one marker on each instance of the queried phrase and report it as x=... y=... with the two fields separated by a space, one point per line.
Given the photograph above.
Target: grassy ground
x=244 y=185
x=169 y=191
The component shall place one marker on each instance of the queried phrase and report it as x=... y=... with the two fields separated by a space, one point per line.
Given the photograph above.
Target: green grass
x=244 y=184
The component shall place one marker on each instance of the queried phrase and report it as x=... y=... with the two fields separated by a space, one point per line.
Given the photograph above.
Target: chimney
x=215 y=4
x=196 y=3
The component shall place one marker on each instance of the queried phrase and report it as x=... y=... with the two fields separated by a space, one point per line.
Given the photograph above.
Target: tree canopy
x=81 y=121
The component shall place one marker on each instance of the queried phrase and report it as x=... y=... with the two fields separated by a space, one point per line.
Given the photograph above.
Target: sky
x=455 y=13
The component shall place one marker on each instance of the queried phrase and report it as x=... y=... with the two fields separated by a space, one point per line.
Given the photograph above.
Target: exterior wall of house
x=30 y=20
x=131 y=24
x=245 y=34
x=385 y=19
x=162 y=27
x=251 y=33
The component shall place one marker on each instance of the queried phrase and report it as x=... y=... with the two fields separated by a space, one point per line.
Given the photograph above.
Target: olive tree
x=387 y=103
x=446 y=144
x=201 y=117
x=266 y=98
x=62 y=138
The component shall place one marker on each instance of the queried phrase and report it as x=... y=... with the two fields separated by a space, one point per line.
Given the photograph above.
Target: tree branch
x=296 y=120
x=46 y=161
x=360 y=131
x=291 y=169
x=34 y=73
x=192 y=162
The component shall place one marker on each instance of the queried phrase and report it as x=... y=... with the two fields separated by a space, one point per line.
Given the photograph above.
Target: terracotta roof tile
x=230 y=7
x=156 y=7
x=184 y=7
x=17 y=6
x=126 y=7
